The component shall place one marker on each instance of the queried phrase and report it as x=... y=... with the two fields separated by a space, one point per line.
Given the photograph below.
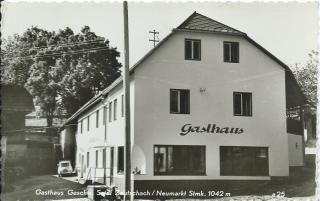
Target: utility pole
x=154 y=40
x=126 y=85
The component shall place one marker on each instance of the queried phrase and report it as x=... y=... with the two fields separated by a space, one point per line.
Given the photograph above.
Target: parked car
x=64 y=168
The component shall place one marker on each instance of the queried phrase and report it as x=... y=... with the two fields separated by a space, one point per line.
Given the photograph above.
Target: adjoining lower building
x=207 y=103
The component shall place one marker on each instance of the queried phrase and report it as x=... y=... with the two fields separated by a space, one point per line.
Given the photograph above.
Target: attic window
x=231 y=52
x=192 y=49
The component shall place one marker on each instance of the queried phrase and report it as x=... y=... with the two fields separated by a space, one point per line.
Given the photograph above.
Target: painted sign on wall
x=210 y=129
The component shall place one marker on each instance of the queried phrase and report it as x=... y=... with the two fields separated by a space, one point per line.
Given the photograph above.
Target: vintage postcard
x=184 y=100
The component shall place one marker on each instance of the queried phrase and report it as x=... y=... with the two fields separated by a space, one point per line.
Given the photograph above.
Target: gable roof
x=200 y=23
x=15 y=98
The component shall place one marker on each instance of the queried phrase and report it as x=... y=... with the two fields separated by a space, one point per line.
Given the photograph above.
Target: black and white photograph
x=159 y=100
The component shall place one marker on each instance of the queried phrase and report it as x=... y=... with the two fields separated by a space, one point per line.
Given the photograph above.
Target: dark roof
x=200 y=22
x=15 y=98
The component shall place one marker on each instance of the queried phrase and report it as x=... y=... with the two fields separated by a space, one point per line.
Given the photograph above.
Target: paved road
x=45 y=187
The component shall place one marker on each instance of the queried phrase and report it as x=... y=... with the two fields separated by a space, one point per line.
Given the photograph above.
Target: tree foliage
x=60 y=69
x=306 y=76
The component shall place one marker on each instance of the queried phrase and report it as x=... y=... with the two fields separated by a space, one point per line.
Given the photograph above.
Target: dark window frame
x=235 y=167
x=122 y=105
x=97 y=158
x=115 y=107
x=231 y=59
x=120 y=160
x=88 y=159
x=192 y=58
x=88 y=123
x=97 y=119
x=179 y=107
x=81 y=126
x=104 y=119
x=110 y=111
x=242 y=113
x=175 y=173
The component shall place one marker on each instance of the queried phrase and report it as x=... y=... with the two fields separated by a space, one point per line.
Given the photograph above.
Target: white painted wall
x=295 y=150
x=94 y=139
x=153 y=124
x=255 y=73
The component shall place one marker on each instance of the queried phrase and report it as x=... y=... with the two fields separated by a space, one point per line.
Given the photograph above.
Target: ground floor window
x=244 y=161
x=88 y=161
x=120 y=159
x=179 y=160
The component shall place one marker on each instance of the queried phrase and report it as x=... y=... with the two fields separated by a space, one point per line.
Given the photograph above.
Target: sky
x=287 y=30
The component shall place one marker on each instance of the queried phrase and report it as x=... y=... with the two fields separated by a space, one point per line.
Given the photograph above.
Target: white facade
x=255 y=73
x=211 y=83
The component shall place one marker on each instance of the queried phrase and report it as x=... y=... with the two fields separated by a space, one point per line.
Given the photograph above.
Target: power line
x=62 y=45
x=70 y=44
x=64 y=53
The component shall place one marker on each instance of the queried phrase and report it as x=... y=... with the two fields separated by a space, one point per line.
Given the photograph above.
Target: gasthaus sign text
x=210 y=129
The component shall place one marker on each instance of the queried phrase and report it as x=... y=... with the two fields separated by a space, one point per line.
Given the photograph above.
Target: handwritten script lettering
x=210 y=128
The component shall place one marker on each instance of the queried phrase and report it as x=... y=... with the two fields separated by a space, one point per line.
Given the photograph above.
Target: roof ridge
x=186 y=20
x=191 y=23
x=220 y=23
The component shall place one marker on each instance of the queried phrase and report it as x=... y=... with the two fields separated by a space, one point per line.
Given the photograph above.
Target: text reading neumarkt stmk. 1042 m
x=210 y=128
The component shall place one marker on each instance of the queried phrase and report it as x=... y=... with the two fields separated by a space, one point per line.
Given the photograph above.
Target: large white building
x=207 y=103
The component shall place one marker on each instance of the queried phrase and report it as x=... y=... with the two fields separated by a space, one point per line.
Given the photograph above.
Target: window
x=231 y=52
x=97 y=118
x=179 y=101
x=244 y=161
x=104 y=115
x=242 y=104
x=88 y=123
x=97 y=158
x=110 y=111
x=122 y=105
x=115 y=103
x=104 y=158
x=179 y=160
x=81 y=126
x=192 y=49
x=88 y=159
x=120 y=159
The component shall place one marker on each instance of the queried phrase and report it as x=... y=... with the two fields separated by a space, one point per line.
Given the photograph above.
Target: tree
x=60 y=69
x=86 y=74
x=13 y=69
x=306 y=77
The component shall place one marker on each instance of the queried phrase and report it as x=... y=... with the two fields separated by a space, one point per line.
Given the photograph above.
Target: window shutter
x=185 y=102
x=246 y=104
x=188 y=49
x=196 y=50
x=226 y=52
x=235 y=52
x=174 y=101
x=237 y=103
